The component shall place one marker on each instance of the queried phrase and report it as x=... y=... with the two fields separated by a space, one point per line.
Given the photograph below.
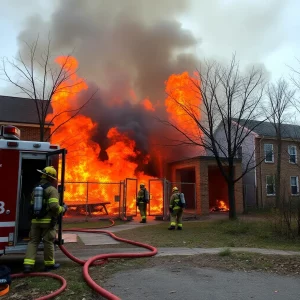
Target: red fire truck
x=19 y=161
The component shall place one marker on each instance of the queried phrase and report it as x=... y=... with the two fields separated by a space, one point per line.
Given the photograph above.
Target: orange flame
x=82 y=164
x=148 y=105
x=183 y=103
x=220 y=206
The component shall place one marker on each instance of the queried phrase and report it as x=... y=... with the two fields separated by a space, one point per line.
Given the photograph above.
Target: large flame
x=183 y=104
x=90 y=180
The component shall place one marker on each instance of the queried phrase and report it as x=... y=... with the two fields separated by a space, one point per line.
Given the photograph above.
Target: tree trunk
x=42 y=132
x=278 y=173
x=231 y=192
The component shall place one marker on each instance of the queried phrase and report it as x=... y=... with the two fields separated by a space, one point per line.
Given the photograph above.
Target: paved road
x=162 y=283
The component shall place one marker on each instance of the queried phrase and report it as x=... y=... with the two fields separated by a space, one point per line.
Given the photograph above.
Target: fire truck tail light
x=11 y=132
x=53 y=147
x=12 y=144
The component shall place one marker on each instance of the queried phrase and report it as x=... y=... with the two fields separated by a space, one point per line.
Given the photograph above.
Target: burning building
x=108 y=172
x=131 y=54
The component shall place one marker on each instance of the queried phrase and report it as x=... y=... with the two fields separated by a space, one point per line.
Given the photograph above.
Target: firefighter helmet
x=142 y=185
x=175 y=189
x=48 y=172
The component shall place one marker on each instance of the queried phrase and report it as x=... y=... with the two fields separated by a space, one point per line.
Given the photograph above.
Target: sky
x=259 y=32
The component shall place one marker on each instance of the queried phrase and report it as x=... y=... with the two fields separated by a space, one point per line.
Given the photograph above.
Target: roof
x=267 y=129
x=19 y=110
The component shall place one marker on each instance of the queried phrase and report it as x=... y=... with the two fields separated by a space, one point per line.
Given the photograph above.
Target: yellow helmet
x=174 y=189
x=48 y=172
x=142 y=184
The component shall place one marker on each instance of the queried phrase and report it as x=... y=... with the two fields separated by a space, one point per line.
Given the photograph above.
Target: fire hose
x=95 y=260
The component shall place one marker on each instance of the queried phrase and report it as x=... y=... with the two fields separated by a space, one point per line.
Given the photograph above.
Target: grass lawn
x=209 y=234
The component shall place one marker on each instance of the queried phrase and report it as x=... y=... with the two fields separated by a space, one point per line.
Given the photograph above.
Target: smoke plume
x=128 y=49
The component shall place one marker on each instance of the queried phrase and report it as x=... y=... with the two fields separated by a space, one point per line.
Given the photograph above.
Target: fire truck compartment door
x=9 y=179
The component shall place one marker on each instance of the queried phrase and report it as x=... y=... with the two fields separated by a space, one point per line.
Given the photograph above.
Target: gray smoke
x=122 y=46
x=137 y=44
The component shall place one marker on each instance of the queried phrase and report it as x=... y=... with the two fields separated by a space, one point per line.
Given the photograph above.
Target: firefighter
x=43 y=226
x=141 y=202
x=176 y=210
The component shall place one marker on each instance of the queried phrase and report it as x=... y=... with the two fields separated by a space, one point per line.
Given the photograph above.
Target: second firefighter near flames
x=142 y=201
x=177 y=204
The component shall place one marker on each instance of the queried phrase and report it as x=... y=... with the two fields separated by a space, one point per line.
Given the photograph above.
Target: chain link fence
x=118 y=199
x=93 y=199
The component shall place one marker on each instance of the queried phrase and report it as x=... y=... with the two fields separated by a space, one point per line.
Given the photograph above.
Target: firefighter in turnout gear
x=175 y=210
x=45 y=212
x=141 y=202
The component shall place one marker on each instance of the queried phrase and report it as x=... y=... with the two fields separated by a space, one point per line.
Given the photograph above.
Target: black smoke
x=123 y=47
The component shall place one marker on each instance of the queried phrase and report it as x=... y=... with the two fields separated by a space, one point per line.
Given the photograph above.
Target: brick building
x=21 y=112
x=266 y=158
x=260 y=150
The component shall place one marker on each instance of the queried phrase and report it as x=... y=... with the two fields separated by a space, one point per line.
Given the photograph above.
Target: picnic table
x=90 y=207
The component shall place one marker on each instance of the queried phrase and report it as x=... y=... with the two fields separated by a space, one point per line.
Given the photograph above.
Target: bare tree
x=279 y=100
x=229 y=101
x=41 y=80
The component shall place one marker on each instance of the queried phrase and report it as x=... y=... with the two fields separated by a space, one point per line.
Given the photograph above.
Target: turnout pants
x=176 y=217
x=143 y=210
x=37 y=232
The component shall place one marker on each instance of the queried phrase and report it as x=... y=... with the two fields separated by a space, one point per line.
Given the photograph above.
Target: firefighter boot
x=179 y=228
x=27 y=269
x=51 y=268
x=171 y=227
x=143 y=221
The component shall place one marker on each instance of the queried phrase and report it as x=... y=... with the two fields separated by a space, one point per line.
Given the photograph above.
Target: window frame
x=289 y=147
x=273 y=177
x=267 y=161
x=297 y=185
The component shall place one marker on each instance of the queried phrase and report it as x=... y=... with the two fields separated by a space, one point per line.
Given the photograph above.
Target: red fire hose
x=95 y=260
x=51 y=275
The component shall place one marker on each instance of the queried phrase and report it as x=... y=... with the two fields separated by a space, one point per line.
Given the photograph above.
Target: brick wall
x=269 y=168
x=201 y=164
x=204 y=165
x=174 y=176
x=31 y=133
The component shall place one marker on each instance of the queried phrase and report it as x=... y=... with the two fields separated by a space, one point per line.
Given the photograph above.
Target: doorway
x=28 y=179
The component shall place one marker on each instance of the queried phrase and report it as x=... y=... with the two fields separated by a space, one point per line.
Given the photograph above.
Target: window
x=269 y=155
x=294 y=185
x=293 y=154
x=270 y=185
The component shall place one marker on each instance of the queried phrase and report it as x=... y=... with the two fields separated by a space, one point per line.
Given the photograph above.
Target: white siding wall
x=248 y=148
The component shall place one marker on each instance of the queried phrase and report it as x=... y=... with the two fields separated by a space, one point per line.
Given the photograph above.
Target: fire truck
x=19 y=161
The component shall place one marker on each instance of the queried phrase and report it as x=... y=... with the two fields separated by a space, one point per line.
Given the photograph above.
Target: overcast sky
x=260 y=32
